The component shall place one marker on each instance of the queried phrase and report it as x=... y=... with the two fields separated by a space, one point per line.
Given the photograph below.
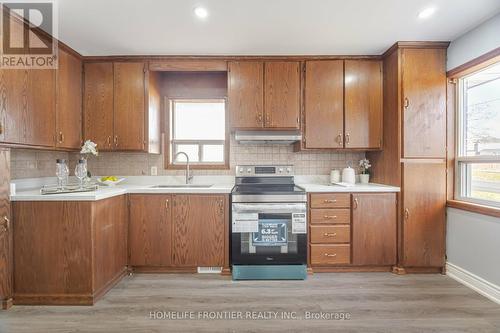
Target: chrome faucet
x=189 y=177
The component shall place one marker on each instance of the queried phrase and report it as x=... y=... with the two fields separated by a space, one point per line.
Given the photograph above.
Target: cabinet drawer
x=331 y=200
x=330 y=254
x=331 y=216
x=331 y=234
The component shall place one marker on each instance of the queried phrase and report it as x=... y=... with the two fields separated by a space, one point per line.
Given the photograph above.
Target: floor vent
x=213 y=270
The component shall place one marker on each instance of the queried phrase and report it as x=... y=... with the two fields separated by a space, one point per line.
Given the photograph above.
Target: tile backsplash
x=31 y=163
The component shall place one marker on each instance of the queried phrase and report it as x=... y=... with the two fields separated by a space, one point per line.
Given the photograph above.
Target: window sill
x=473 y=207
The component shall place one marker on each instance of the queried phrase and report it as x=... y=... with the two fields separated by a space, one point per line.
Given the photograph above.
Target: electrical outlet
x=154 y=171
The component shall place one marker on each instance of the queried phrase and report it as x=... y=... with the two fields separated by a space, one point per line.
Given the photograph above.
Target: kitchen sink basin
x=183 y=186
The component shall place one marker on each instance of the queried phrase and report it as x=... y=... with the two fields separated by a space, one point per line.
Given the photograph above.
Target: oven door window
x=274 y=236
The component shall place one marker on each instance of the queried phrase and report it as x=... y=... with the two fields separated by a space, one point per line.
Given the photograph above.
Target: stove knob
x=288 y=170
x=249 y=170
x=241 y=170
x=280 y=170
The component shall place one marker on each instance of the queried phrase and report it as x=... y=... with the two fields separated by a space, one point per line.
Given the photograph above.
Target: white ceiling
x=261 y=27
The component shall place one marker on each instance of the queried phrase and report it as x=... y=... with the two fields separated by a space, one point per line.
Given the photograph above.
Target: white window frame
x=462 y=172
x=174 y=143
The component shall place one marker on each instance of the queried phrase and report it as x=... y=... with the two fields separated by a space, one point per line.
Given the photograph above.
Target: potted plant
x=364 y=176
x=88 y=148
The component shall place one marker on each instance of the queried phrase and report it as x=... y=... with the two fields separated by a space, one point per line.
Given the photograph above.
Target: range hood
x=267 y=137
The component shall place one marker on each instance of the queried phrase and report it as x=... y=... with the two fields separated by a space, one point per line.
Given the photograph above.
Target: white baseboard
x=485 y=288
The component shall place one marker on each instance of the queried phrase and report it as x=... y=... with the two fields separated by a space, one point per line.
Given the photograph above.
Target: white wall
x=473 y=243
x=474 y=43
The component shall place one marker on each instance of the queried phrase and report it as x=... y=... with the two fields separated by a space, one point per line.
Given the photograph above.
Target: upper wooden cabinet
x=363 y=104
x=69 y=101
x=324 y=104
x=98 y=104
x=374 y=229
x=116 y=110
x=424 y=102
x=264 y=94
x=245 y=94
x=13 y=106
x=282 y=94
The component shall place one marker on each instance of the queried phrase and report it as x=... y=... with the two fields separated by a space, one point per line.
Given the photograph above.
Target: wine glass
x=81 y=171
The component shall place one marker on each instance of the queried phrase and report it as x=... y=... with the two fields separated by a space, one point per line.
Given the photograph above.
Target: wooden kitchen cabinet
x=98 y=104
x=68 y=252
x=324 y=104
x=69 y=101
x=423 y=210
x=13 y=106
x=129 y=105
x=246 y=94
x=424 y=103
x=374 y=229
x=363 y=104
x=282 y=94
x=6 y=282
x=199 y=223
x=150 y=230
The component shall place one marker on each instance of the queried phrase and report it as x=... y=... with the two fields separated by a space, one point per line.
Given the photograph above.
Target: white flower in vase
x=364 y=165
x=89 y=148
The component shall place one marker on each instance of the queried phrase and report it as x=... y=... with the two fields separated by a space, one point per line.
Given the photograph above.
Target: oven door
x=269 y=233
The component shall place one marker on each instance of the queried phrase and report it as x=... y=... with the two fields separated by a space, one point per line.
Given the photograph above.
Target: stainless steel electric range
x=269 y=224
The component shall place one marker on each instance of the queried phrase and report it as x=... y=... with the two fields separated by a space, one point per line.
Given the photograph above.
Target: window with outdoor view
x=478 y=136
x=198 y=128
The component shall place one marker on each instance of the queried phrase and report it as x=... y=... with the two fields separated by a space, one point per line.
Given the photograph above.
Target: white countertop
x=357 y=188
x=29 y=190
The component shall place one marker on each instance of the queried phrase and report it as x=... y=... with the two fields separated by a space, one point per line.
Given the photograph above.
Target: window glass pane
x=199 y=120
x=481 y=112
x=481 y=181
x=213 y=153
x=191 y=150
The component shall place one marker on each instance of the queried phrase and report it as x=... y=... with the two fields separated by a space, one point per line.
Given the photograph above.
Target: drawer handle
x=330 y=200
x=330 y=255
x=330 y=234
x=330 y=217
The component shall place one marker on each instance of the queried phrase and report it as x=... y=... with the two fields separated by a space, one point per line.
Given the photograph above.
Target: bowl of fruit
x=110 y=180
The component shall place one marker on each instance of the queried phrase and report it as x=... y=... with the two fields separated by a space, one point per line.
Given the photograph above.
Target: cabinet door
x=13 y=105
x=324 y=104
x=282 y=94
x=363 y=104
x=424 y=203
x=41 y=115
x=150 y=225
x=129 y=106
x=245 y=94
x=6 y=285
x=69 y=101
x=424 y=103
x=198 y=230
x=98 y=104
x=374 y=229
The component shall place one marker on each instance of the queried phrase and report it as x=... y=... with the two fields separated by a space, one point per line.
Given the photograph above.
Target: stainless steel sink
x=183 y=186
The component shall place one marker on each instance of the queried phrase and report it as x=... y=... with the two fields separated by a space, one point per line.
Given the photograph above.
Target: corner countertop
x=29 y=189
x=356 y=188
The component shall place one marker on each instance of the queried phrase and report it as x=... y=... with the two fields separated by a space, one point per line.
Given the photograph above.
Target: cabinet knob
x=330 y=255
x=407 y=213
x=330 y=217
x=356 y=203
x=330 y=234
x=347 y=138
x=339 y=139
x=109 y=141
x=330 y=200
x=116 y=140
x=166 y=204
x=407 y=103
x=259 y=118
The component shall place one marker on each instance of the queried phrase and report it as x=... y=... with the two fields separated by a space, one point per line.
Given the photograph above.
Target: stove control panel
x=264 y=170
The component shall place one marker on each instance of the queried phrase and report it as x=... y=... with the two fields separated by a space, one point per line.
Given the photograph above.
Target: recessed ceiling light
x=201 y=12
x=426 y=13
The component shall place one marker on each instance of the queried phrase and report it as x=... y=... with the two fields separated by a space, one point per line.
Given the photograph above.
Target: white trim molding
x=485 y=288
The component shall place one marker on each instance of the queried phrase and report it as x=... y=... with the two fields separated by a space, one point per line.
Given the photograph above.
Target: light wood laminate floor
x=376 y=302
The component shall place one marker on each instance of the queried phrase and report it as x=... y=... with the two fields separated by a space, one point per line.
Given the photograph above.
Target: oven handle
x=269 y=208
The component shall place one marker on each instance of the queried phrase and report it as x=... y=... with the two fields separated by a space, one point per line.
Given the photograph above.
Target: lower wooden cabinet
x=68 y=252
x=374 y=229
x=181 y=231
x=150 y=230
x=354 y=231
x=6 y=283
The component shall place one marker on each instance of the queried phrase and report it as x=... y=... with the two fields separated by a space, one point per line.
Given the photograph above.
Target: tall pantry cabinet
x=414 y=147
